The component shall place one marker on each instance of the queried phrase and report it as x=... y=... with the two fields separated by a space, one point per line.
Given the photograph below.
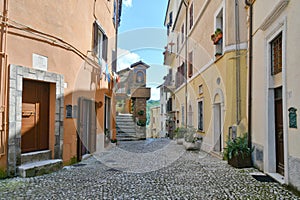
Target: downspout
x=250 y=4
x=186 y=59
x=4 y=77
x=238 y=64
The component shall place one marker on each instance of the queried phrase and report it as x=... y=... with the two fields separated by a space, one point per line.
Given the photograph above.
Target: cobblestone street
x=151 y=169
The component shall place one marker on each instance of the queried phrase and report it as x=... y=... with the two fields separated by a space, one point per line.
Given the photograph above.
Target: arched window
x=140 y=77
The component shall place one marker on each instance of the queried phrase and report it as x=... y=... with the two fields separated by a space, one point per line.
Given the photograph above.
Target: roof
x=139 y=63
x=123 y=70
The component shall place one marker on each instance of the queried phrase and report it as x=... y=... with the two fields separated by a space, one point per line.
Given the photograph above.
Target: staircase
x=126 y=128
x=38 y=163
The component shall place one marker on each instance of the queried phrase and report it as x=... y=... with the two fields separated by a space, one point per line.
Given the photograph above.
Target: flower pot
x=240 y=161
x=180 y=141
x=192 y=145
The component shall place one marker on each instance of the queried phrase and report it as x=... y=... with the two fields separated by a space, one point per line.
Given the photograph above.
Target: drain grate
x=79 y=165
x=263 y=178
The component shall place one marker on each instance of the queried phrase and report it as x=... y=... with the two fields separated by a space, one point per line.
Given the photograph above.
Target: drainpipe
x=4 y=77
x=186 y=59
x=238 y=60
x=250 y=4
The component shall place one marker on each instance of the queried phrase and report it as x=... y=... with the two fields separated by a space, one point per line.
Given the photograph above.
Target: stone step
x=126 y=125
x=124 y=121
x=127 y=138
x=126 y=130
x=39 y=168
x=35 y=156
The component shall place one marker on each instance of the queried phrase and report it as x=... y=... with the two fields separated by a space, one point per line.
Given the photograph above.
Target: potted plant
x=192 y=140
x=141 y=112
x=237 y=152
x=179 y=134
x=217 y=36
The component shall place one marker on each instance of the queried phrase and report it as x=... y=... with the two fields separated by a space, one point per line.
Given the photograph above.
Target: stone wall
x=17 y=74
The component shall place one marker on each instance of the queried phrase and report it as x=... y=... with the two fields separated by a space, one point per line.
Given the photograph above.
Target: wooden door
x=279 y=132
x=35 y=116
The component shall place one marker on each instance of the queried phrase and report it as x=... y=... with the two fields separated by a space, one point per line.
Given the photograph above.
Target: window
x=182 y=33
x=200 y=116
x=200 y=90
x=190 y=65
x=276 y=54
x=140 y=77
x=190 y=119
x=100 y=43
x=191 y=15
x=177 y=43
x=182 y=115
x=219 y=25
x=170 y=19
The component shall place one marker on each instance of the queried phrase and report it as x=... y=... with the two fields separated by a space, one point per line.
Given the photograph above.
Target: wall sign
x=39 y=62
x=292 y=117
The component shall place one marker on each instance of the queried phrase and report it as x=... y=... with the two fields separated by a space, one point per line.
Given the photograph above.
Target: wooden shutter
x=104 y=47
x=95 y=38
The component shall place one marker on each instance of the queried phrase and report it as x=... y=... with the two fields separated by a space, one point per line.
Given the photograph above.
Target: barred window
x=276 y=54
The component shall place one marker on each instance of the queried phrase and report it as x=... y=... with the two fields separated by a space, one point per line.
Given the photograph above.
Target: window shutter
x=95 y=38
x=104 y=49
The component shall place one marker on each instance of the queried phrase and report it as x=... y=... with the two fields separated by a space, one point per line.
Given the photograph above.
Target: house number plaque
x=292 y=117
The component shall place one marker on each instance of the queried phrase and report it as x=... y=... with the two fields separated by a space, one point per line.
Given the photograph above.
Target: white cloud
x=126 y=58
x=127 y=3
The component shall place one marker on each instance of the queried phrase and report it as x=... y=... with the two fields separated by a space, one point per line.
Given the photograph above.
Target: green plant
x=237 y=146
x=191 y=135
x=73 y=161
x=113 y=140
x=141 y=112
x=141 y=122
x=3 y=174
x=180 y=132
x=218 y=31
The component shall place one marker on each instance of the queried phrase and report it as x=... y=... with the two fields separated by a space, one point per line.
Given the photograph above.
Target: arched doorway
x=218 y=117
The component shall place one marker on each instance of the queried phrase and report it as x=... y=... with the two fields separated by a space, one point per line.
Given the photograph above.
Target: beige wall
x=208 y=68
x=270 y=18
x=67 y=38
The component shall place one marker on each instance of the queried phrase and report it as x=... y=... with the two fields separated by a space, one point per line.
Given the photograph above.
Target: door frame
x=16 y=76
x=269 y=144
x=220 y=103
x=90 y=134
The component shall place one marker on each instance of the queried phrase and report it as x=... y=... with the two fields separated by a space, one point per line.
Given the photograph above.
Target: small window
x=219 y=26
x=200 y=116
x=182 y=33
x=170 y=19
x=100 y=43
x=276 y=54
x=190 y=65
x=182 y=115
x=191 y=15
x=177 y=43
x=200 y=90
x=140 y=77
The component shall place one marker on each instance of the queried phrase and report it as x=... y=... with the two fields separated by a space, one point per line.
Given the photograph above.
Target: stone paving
x=151 y=169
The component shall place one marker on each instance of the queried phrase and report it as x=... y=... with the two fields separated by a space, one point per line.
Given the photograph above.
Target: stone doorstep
x=35 y=156
x=39 y=168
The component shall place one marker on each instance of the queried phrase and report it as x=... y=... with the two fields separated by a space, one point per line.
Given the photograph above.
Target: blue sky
x=142 y=36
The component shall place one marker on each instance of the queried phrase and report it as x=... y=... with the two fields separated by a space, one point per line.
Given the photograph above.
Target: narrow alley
x=167 y=172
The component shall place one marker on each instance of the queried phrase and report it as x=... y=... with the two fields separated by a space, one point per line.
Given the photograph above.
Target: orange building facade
x=58 y=60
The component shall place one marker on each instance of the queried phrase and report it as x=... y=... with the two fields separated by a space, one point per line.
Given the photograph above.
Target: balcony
x=169 y=55
x=141 y=93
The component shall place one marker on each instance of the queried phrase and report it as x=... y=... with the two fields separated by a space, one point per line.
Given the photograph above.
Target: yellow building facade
x=210 y=78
